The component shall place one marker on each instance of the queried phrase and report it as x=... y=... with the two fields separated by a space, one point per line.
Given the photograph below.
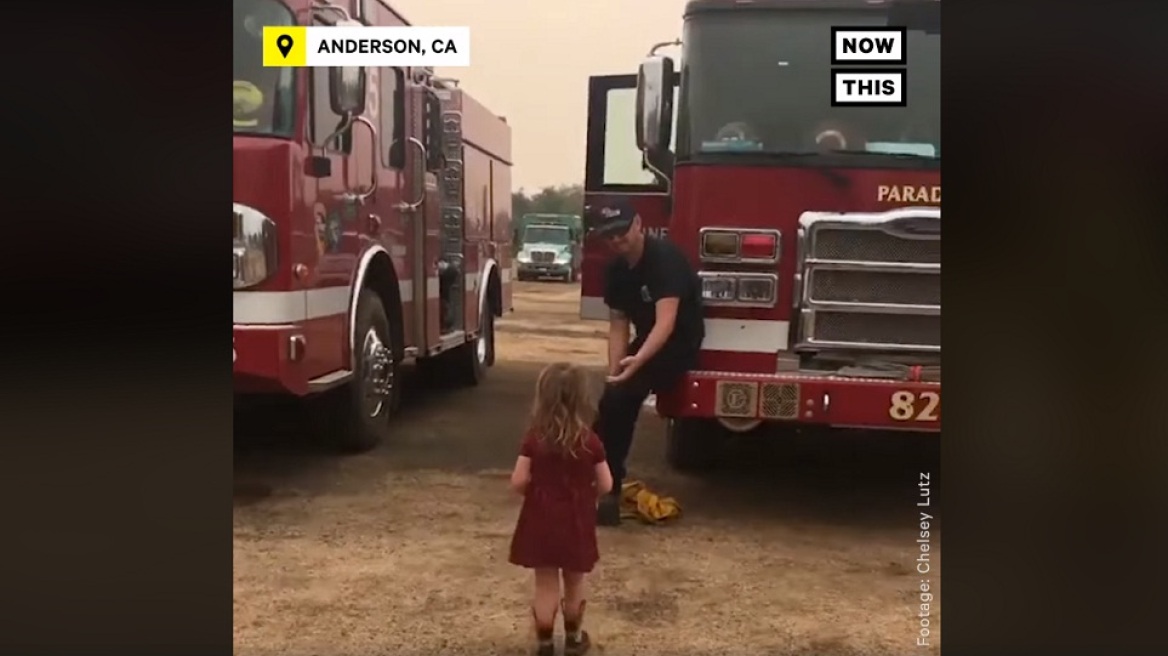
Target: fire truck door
x=334 y=212
x=614 y=168
x=425 y=227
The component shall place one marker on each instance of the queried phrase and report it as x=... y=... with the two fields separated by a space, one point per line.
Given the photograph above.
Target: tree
x=562 y=199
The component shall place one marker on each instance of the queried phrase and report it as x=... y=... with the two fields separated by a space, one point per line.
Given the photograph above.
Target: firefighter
x=650 y=286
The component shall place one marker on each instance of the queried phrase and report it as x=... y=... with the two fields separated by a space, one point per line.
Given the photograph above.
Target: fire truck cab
x=371 y=225
x=816 y=229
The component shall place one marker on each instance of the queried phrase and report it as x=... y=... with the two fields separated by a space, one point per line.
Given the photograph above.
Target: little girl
x=561 y=473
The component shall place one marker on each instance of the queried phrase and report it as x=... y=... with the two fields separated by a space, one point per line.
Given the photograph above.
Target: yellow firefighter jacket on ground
x=638 y=502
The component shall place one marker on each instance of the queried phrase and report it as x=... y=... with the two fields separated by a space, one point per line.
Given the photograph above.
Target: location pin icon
x=284 y=44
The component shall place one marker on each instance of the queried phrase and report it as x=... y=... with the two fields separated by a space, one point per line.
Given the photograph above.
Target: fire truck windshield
x=261 y=98
x=758 y=81
x=546 y=234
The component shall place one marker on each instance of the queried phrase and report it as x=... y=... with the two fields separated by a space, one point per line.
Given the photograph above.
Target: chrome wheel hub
x=481 y=346
x=376 y=373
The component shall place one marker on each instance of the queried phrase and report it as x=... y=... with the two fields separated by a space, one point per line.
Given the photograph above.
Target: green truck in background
x=548 y=246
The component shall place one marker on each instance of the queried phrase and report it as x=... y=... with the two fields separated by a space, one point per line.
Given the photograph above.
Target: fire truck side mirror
x=347 y=90
x=347 y=84
x=655 y=104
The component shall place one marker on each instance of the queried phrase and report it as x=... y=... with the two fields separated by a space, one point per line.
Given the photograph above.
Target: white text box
x=867 y=45
x=857 y=88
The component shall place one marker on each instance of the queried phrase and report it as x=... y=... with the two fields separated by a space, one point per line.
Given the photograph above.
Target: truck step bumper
x=260 y=357
x=809 y=398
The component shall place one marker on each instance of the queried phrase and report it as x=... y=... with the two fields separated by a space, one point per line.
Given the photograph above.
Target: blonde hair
x=562 y=414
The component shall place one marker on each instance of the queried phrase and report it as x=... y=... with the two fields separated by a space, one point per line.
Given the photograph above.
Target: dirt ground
x=795 y=546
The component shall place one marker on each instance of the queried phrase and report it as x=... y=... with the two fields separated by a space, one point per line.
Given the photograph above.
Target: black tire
x=694 y=445
x=351 y=420
x=471 y=361
x=490 y=325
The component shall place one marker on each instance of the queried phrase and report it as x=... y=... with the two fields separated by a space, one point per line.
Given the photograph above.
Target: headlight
x=718 y=288
x=524 y=257
x=757 y=289
x=739 y=289
x=253 y=246
x=739 y=246
x=719 y=245
x=563 y=258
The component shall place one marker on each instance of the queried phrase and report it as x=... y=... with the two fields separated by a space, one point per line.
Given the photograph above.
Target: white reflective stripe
x=746 y=335
x=327 y=302
x=406 y=289
x=734 y=335
x=288 y=307
x=474 y=280
x=267 y=308
x=593 y=307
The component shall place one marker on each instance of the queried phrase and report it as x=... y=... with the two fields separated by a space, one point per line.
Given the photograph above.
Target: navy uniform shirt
x=662 y=272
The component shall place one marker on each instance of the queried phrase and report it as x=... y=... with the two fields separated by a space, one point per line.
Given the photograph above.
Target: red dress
x=557 y=524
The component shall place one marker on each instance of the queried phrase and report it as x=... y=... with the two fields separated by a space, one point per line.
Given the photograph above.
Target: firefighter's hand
x=625 y=368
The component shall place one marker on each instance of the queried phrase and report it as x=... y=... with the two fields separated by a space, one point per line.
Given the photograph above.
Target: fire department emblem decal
x=333 y=231
x=328 y=233
x=320 y=235
x=736 y=400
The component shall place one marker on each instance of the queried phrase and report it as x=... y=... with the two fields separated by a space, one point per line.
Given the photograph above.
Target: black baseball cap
x=610 y=219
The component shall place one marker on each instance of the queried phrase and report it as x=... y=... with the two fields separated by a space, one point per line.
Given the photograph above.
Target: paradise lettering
x=929 y=195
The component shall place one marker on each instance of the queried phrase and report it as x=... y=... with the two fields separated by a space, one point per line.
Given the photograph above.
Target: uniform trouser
x=621 y=403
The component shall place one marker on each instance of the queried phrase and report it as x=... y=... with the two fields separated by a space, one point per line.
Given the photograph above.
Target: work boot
x=544 y=636
x=576 y=640
x=608 y=509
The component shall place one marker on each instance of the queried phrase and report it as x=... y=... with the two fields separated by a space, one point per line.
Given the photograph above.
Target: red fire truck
x=816 y=229
x=371 y=225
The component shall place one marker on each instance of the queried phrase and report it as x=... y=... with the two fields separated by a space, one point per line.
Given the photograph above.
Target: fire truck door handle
x=362 y=195
x=421 y=166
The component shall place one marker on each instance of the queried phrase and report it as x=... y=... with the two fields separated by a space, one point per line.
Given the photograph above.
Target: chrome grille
x=779 y=401
x=876 y=329
x=871 y=281
x=881 y=287
x=869 y=245
x=543 y=257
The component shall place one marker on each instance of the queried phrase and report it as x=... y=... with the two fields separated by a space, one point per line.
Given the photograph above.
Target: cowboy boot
x=576 y=640
x=544 y=635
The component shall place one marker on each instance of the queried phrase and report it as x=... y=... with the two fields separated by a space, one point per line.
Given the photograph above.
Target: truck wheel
x=693 y=445
x=474 y=358
x=355 y=418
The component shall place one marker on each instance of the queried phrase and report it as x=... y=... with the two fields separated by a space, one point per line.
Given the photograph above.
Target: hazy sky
x=530 y=62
